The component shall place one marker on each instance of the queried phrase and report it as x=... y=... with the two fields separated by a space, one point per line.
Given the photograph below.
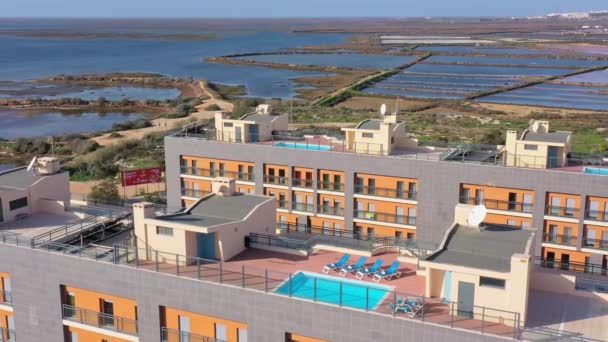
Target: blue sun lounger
x=354 y=268
x=391 y=272
x=370 y=270
x=338 y=264
x=411 y=307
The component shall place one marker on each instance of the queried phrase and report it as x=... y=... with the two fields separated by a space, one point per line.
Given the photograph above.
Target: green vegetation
x=226 y=91
x=212 y=108
x=105 y=191
x=62 y=145
x=128 y=125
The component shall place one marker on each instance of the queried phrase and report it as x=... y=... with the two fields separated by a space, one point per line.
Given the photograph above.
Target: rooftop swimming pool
x=596 y=171
x=303 y=146
x=333 y=290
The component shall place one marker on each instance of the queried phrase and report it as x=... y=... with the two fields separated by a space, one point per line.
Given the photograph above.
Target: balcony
x=6 y=298
x=7 y=335
x=277 y=180
x=242 y=176
x=99 y=320
x=499 y=204
x=385 y=192
x=576 y=267
x=384 y=217
x=567 y=240
x=302 y=183
x=330 y=186
x=562 y=211
x=168 y=335
x=307 y=207
x=194 y=193
x=596 y=215
x=282 y=204
x=595 y=244
x=328 y=210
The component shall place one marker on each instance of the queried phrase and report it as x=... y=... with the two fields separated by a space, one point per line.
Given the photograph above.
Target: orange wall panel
x=91 y=300
x=89 y=336
x=576 y=257
x=291 y=337
x=386 y=181
x=201 y=324
x=497 y=193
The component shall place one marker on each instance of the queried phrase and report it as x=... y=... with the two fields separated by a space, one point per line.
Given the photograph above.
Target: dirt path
x=164 y=124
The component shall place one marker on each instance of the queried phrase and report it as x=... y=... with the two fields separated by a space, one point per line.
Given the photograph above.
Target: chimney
x=223 y=186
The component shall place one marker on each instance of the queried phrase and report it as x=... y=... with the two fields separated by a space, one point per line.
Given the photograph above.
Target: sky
x=291 y=8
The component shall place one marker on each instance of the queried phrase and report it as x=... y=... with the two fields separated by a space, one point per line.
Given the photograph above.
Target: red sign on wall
x=143 y=176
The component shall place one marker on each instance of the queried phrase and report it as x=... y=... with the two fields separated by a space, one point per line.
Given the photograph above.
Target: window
x=368 y=135
x=18 y=203
x=228 y=124
x=370 y=233
x=241 y=172
x=73 y=336
x=398 y=235
x=530 y=147
x=107 y=308
x=242 y=335
x=410 y=236
x=222 y=169
x=492 y=282
x=400 y=189
x=411 y=191
x=70 y=299
x=164 y=231
x=511 y=223
x=220 y=332
x=249 y=173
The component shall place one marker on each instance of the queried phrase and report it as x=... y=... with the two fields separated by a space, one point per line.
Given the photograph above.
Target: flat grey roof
x=260 y=118
x=370 y=124
x=490 y=248
x=551 y=137
x=17 y=179
x=216 y=210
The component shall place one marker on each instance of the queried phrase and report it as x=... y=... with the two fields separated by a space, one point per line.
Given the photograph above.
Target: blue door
x=254 y=133
x=552 y=162
x=205 y=246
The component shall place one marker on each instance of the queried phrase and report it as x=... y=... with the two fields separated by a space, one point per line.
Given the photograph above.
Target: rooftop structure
x=538 y=147
x=252 y=127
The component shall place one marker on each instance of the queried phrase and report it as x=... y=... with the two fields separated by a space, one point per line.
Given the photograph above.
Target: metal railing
x=569 y=266
x=307 y=207
x=6 y=298
x=330 y=186
x=499 y=204
x=568 y=240
x=172 y=335
x=385 y=192
x=596 y=215
x=562 y=211
x=384 y=217
x=329 y=210
x=277 y=180
x=194 y=193
x=302 y=183
x=591 y=285
x=7 y=335
x=282 y=204
x=100 y=320
x=213 y=173
x=595 y=244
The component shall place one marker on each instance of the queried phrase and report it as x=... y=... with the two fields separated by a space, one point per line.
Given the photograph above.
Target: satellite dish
x=477 y=215
x=32 y=163
x=383 y=109
x=535 y=126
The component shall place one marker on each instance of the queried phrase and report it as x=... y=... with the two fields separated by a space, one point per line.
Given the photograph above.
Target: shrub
x=213 y=107
x=105 y=191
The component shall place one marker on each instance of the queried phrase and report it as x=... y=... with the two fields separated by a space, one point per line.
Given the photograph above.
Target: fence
x=243 y=176
x=568 y=240
x=390 y=302
x=171 y=335
x=385 y=192
x=384 y=217
x=99 y=319
x=7 y=335
x=499 y=204
x=576 y=267
x=562 y=211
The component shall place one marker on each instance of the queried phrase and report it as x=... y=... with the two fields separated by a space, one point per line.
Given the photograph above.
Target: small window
x=368 y=135
x=492 y=282
x=530 y=147
x=18 y=203
x=164 y=231
x=228 y=124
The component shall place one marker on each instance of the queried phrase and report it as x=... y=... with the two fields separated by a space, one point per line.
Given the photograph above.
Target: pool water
x=596 y=171
x=328 y=290
x=301 y=146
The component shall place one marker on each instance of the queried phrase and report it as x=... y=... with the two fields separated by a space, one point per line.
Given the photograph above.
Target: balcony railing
x=195 y=193
x=329 y=210
x=243 y=176
x=330 y=186
x=562 y=211
x=595 y=244
x=278 y=180
x=384 y=217
x=499 y=204
x=576 y=267
x=385 y=192
x=302 y=183
x=307 y=207
x=100 y=320
x=7 y=335
x=6 y=298
x=597 y=215
x=172 y=335
x=568 y=240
